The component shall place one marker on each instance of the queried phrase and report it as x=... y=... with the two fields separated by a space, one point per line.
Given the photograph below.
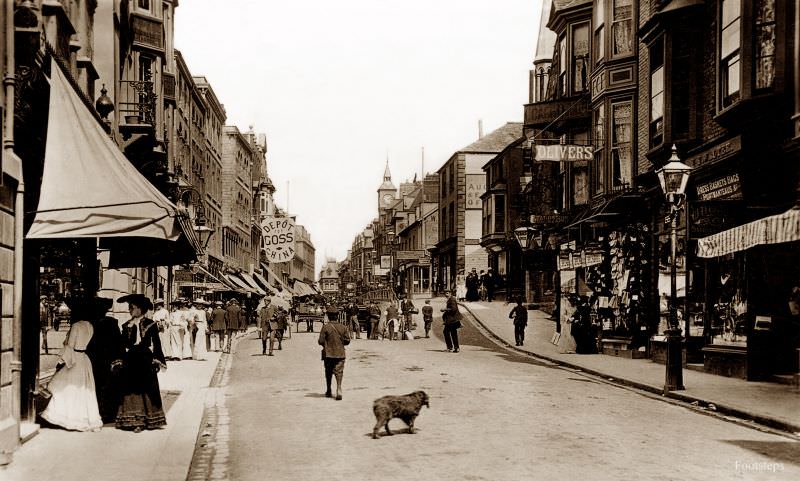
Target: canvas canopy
x=90 y=190
x=775 y=229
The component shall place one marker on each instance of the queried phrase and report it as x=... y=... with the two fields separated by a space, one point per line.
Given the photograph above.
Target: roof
x=496 y=140
x=565 y=4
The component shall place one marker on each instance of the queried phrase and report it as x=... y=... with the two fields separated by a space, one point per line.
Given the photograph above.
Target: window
x=499 y=213
x=599 y=126
x=765 y=44
x=580 y=172
x=599 y=32
x=622 y=28
x=580 y=57
x=621 y=165
x=657 y=93
x=730 y=44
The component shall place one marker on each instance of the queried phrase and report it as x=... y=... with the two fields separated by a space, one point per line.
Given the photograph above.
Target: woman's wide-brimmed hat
x=139 y=300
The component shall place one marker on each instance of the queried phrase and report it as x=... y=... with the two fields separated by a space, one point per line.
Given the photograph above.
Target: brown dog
x=405 y=407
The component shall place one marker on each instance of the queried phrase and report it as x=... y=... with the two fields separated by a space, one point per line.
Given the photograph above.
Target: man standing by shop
x=233 y=322
x=44 y=320
x=487 y=280
x=352 y=318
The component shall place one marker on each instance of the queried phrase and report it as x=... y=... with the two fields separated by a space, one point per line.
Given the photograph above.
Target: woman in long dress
x=141 y=406
x=177 y=330
x=73 y=404
x=200 y=349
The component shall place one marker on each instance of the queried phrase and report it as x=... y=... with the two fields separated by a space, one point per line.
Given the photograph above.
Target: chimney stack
x=480 y=129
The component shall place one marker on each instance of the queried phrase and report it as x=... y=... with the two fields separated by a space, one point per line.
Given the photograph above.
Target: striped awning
x=252 y=283
x=775 y=229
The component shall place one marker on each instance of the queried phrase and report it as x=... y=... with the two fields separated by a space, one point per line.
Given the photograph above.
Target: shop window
x=728 y=291
x=599 y=32
x=499 y=213
x=657 y=93
x=580 y=58
x=599 y=125
x=730 y=44
x=622 y=28
x=621 y=152
x=580 y=172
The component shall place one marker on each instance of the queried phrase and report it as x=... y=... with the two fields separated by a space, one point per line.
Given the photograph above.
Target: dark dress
x=140 y=406
x=105 y=348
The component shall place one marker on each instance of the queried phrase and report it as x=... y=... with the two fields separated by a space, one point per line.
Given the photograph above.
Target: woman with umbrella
x=140 y=406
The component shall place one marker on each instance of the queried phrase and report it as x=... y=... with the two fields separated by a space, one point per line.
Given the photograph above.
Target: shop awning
x=90 y=190
x=775 y=229
x=239 y=283
x=303 y=289
x=248 y=279
x=263 y=282
x=278 y=279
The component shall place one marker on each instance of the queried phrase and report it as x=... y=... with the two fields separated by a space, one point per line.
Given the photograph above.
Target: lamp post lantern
x=673 y=178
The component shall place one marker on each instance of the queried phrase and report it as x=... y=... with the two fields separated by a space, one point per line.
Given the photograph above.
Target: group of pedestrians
x=476 y=286
x=107 y=372
x=397 y=322
x=273 y=322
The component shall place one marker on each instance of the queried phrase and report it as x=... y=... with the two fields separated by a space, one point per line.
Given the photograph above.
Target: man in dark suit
x=103 y=349
x=234 y=321
x=218 y=326
x=451 y=317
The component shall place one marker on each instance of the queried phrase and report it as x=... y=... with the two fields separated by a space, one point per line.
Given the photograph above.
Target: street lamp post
x=528 y=238
x=673 y=177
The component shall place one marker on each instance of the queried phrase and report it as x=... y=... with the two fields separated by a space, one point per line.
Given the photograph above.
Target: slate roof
x=496 y=140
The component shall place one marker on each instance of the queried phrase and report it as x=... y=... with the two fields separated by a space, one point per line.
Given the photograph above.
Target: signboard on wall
x=727 y=187
x=564 y=153
x=278 y=236
x=476 y=186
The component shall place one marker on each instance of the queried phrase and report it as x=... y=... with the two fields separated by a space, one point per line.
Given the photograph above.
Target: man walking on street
x=352 y=317
x=520 y=316
x=233 y=322
x=333 y=337
x=451 y=317
x=218 y=327
x=265 y=314
x=488 y=282
x=427 y=316
x=374 y=317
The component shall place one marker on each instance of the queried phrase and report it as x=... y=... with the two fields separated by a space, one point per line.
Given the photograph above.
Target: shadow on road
x=778 y=451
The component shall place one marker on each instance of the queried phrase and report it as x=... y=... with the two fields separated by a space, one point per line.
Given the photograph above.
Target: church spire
x=386 y=174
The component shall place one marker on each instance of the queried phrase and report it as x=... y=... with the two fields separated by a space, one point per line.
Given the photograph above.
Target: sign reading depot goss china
x=278 y=235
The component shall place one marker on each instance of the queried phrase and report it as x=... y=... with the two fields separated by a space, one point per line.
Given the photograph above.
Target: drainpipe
x=14 y=168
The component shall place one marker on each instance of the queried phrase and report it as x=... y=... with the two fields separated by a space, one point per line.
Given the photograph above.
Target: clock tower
x=387 y=192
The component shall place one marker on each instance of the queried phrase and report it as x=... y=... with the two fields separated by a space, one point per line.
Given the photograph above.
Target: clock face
x=387 y=199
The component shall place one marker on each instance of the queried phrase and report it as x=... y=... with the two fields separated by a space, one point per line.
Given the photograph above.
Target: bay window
x=562 y=66
x=730 y=46
x=580 y=56
x=765 y=44
x=622 y=28
x=621 y=130
x=657 y=93
x=599 y=31
x=599 y=140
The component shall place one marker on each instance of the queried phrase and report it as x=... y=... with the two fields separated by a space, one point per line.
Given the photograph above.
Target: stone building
x=238 y=156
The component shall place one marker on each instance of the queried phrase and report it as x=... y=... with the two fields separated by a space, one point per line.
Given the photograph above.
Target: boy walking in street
x=520 y=315
x=427 y=316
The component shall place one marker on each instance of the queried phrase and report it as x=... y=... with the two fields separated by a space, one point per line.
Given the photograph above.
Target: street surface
x=494 y=415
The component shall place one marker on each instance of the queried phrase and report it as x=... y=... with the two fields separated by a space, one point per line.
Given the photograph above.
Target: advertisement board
x=278 y=236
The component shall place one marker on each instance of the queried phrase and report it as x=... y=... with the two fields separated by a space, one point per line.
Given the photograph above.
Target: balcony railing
x=139 y=102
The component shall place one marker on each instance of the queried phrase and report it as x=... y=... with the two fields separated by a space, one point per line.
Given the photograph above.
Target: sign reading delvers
x=278 y=235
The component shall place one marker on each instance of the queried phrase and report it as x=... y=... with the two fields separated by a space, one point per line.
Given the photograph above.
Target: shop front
x=752 y=309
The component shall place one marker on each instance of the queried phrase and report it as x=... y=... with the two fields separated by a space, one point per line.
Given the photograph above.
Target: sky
x=340 y=86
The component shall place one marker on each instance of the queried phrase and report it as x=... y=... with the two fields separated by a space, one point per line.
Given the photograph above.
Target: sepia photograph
x=364 y=240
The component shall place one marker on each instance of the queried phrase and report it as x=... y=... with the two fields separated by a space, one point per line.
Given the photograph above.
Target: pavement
x=770 y=404
x=163 y=454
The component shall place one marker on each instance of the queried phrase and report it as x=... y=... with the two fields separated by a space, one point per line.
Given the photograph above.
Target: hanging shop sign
x=278 y=236
x=548 y=219
x=592 y=257
x=578 y=259
x=727 y=187
x=564 y=153
x=409 y=255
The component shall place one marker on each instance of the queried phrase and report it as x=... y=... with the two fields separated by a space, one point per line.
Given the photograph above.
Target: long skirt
x=200 y=350
x=176 y=335
x=141 y=406
x=188 y=340
x=166 y=346
x=74 y=401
